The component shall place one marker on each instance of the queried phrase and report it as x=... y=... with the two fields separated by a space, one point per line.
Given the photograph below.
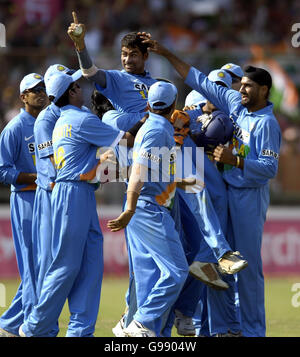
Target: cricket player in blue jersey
x=221 y=309
x=159 y=263
x=46 y=174
x=250 y=162
x=17 y=168
x=126 y=89
x=76 y=270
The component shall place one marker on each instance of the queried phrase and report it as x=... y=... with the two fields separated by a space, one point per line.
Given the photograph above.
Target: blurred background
x=205 y=33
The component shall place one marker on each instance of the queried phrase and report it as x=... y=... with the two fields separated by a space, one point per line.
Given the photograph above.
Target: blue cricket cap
x=219 y=75
x=58 y=83
x=234 y=69
x=57 y=68
x=194 y=98
x=161 y=95
x=30 y=81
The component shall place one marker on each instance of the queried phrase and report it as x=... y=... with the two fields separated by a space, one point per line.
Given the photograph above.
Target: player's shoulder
x=15 y=123
x=50 y=113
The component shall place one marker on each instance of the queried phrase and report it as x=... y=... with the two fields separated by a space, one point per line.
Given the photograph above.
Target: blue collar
x=26 y=115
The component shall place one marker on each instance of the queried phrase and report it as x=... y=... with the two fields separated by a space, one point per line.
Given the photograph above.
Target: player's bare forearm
x=181 y=67
x=135 y=185
x=26 y=178
x=154 y=46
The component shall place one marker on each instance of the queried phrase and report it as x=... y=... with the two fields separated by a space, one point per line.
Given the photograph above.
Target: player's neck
x=257 y=106
x=34 y=112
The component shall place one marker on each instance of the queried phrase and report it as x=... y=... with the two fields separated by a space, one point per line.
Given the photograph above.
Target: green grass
x=283 y=320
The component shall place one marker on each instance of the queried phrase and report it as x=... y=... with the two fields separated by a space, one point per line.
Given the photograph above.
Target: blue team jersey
x=256 y=136
x=76 y=138
x=17 y=150
x=154 y=147
x=43 y=129
x=121 y=121
x=127 y=92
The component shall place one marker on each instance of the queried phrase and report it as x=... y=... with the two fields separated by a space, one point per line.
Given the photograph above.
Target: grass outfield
x=283 y=320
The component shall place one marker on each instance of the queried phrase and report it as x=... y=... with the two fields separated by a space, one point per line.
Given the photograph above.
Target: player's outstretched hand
x=153 y=45
x=121 y=222
x=76 y=32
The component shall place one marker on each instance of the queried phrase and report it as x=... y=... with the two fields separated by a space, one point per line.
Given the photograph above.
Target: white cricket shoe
x=136 y=329
x=207 y=273
x=231 y=263
x=4 y=333
x=21 y=333
x=184 y=324
x=118 y=330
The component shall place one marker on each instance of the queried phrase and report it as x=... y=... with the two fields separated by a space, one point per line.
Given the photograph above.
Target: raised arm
x=224 y=99
x=180 y=66
x=76 y=32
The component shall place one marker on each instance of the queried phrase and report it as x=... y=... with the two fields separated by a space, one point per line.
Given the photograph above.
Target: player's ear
x=264 y=90
x=146 y=55
x=23 y=98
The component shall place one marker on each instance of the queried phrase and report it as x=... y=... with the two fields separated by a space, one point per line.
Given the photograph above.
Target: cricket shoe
x=184 y=324
x=207 y=273
x=118 y=330
x=229 y=334
x=136 y=329
x=231 y=263
x=21 y=333
x=4 y=333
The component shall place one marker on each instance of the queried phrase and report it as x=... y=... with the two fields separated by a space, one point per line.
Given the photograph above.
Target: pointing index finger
x=75 y=19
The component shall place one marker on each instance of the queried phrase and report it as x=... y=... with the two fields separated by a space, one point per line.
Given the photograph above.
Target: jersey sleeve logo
x=270 y=153
x=147 y=155
x=44 y=145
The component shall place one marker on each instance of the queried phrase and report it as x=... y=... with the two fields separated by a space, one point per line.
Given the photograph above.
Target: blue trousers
x=21 y=208
x=77 y=267
x=159 y=263
x=42 y=240
x=247 y=209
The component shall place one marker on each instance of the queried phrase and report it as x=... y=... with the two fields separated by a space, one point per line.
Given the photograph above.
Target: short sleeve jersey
x=43 y=129
x=17 y=150
x=76 y=138
x=154 y=148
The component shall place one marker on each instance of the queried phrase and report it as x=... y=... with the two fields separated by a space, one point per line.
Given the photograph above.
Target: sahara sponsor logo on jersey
x=239 y=132
x=148 y=156
x=31 y=148
x=142 y=88
x=270 y=153
x=44 y=145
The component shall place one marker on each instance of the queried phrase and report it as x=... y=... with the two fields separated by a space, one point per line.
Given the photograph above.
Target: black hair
x=162 y=112
x=132 y=40
x=258 y=75
x=100 y=104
